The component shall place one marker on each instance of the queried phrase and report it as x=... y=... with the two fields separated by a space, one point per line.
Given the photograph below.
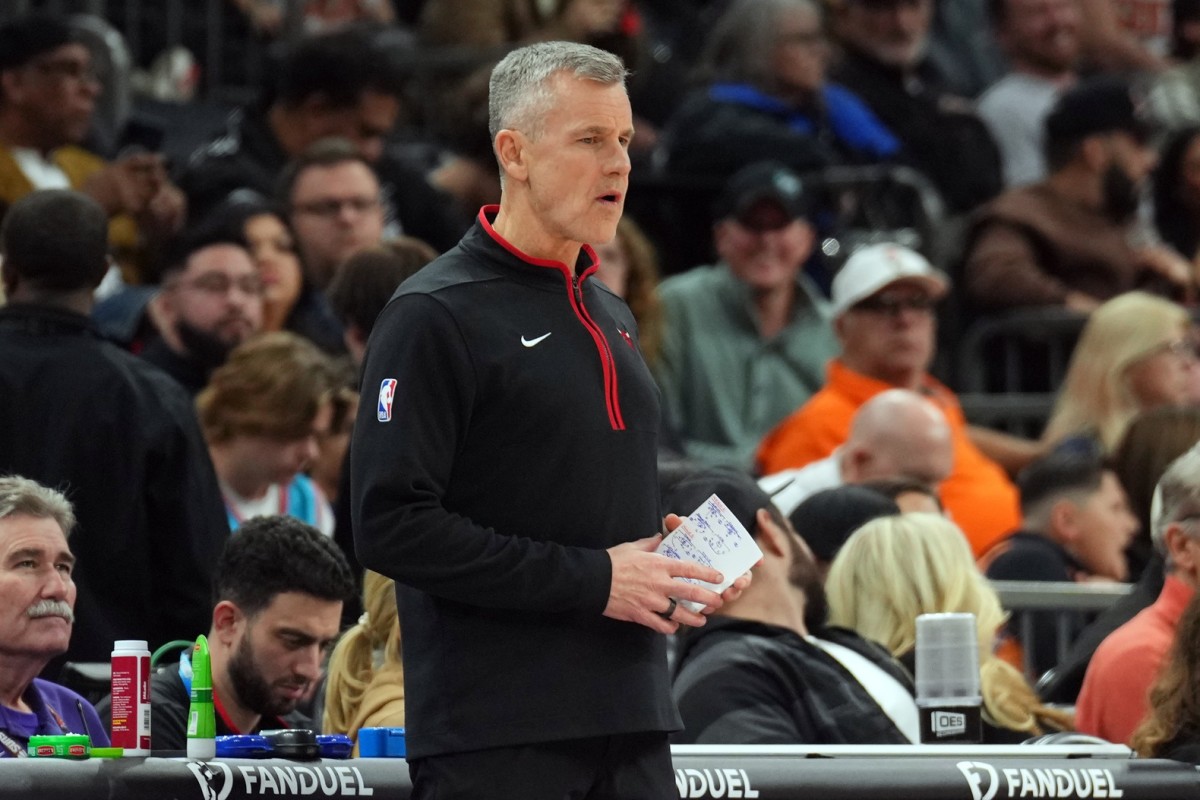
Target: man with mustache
x=766 y=669
x=1072 y=240
x=211 y=301
x=37 y=601
x=278 y=607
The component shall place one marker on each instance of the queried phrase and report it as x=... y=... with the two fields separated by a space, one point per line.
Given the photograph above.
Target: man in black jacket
x=766 y=669
x=116 y=434
x=338 y=85
x=506 y=476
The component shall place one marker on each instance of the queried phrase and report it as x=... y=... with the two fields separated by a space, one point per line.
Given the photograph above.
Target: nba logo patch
x=387 y=390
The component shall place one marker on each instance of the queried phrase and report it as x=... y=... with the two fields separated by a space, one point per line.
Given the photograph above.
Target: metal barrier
x=1070 y=602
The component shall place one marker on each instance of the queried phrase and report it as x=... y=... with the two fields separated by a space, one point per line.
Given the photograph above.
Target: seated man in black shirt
x=766 y=669
x=278 y=605
x=1076 y=526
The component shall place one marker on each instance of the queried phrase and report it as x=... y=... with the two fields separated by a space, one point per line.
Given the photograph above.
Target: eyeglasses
x=333 y=206
x=219 y=284
x=66 y=68
x=893 y=304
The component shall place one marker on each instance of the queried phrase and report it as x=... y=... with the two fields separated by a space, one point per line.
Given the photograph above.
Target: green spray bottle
x=202 y=716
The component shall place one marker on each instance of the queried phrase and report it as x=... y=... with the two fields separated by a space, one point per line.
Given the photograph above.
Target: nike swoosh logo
x=534 y=342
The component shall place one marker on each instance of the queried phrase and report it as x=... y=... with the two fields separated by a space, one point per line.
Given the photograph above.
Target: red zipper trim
x=612 y=398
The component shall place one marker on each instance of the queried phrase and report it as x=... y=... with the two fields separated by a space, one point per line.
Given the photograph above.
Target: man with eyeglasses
x=1115 y=694
x=334 y=203
x=48 y=95
x=746 y=339
x=211 y=301
x=118 y=436
x=883 y=304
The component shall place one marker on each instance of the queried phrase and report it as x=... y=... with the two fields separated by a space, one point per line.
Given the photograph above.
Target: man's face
x=366 y=124
x=889 y=336
x=765 y=247
x=1129 y=162
x=336 y=212
x=893 y=32
x=1043 y=34
x=56 y=94
x=278 y=460
x=216 y=301
x=1106 y=526
x=577 y=166
x=280 y=651
x=37 y=594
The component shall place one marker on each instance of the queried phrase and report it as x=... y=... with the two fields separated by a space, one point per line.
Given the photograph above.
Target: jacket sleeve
x=737 y=701
x=403 y=467
x=1002 y=271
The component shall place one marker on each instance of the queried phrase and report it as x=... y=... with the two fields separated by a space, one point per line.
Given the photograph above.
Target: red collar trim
x=493 y=210
x=224 y=717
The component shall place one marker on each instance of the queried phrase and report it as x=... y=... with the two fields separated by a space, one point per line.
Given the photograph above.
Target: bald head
x=898 y=434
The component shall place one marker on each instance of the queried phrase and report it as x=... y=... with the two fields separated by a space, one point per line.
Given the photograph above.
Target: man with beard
x=766 y=669
x=1072 y=240
x=1041 y=39
x=276 y=613
x=211 y=301
x=37 y=612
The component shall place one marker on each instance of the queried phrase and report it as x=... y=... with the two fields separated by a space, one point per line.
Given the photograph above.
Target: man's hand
x=127 y=186
x=644 y=585
x=1164 y=261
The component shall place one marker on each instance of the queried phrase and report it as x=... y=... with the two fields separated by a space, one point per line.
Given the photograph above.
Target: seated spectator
x=895 y=434
x=277 y=606
x=629 y=266
x=1177 y=193
x=48 y=95
x=343 y=84
x=210 y=302
x=37 y=601
x=765 y=96
x=826 y=519
x=1171 y=729
x=1041 y=40
x=263 y=414
x=766 y=669
x=365 y=687
x=117 y=433
x=290 y=300
x=1174 y=94
x=894 y=569
x=1113 y=700
x=745 y=339
x=362 y=286
x=315 y=16
x=886 y=63
x=1066 y=241
x=962 y=48
x=1136 y=353
x=1152 y=441
x=883 y=303
x=1076 y=526
x=333 y=197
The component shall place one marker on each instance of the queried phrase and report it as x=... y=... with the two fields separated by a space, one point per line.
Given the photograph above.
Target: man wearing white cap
x=883 y=306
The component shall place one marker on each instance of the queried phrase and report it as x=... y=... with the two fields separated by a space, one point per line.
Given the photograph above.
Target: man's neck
x=773 y=309
x=16 y=674
x=15 y=133
x=771 y=605
x=1076 y=184
x=1062 y=78
x=519 y=226
x=912 y=380
x=80 y=301
x=289 y=135
x=247 y=487
x=242 y=718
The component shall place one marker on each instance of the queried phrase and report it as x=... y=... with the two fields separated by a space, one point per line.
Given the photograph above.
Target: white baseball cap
x=873 y=268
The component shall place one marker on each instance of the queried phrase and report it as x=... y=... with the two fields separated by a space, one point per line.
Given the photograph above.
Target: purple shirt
x=54 y=712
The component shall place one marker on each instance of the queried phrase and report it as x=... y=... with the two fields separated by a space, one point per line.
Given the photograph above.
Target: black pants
x=625 y=767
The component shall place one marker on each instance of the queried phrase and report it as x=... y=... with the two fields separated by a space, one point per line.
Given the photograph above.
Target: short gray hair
x=23 y=497
x=741 y=47
x=1177 y=496
x=518 y=93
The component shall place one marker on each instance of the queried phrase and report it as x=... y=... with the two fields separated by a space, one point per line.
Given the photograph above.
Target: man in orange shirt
x=1115 y=694
x=883 y=306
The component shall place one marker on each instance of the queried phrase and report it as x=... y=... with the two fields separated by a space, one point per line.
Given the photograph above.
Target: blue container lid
x=244 y=745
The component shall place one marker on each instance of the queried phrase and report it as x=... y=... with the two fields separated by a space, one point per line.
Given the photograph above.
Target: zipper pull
x=578 y=289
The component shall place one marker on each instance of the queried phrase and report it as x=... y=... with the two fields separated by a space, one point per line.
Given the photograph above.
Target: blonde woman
x=892 y=570
x=365 y=687
x=1135 y=354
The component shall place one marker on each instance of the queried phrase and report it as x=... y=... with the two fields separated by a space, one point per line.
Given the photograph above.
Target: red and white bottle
x=131 y=696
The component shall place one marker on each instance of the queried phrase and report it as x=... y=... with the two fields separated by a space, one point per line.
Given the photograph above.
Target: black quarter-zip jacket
x=512 y=441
